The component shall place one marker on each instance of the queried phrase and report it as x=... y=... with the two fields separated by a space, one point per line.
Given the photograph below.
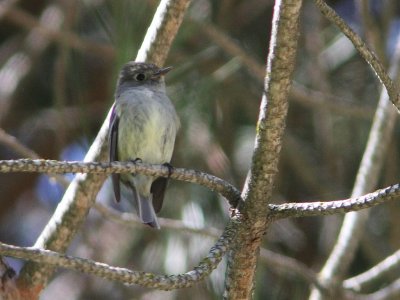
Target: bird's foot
x=170 y=168
x=136 y=160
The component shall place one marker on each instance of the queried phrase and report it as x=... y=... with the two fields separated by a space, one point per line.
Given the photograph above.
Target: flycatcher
x=143 y=126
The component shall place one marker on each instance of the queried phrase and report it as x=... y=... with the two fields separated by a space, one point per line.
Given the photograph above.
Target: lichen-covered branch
x=52 y=166
x=126 y=276
x=242 y=260
x=309 y=209
x=281 y=211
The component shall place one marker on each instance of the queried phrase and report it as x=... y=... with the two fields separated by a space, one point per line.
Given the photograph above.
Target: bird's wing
x=113 y=142
x=158 y=188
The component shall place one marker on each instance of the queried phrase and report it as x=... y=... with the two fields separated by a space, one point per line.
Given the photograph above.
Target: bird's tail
x=146 y=211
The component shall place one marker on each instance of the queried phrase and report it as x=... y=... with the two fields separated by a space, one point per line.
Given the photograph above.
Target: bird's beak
x=162 y=71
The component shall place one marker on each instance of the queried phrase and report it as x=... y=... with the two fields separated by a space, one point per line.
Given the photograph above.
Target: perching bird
x=143 y=126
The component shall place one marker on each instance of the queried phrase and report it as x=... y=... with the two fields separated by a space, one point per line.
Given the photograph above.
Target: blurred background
x=59 y=62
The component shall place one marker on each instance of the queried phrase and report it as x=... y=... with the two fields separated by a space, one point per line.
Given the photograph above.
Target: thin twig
x=375 y=274
x=11 y=142
x=21 y=149
x=362 y=48
x=309 y=209
x=391 y=291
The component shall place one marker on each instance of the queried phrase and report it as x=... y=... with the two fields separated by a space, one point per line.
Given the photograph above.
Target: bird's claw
x=170 y=168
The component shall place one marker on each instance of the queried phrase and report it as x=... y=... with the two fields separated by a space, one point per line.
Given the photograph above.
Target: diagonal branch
x=374 y=275
x=362 y=48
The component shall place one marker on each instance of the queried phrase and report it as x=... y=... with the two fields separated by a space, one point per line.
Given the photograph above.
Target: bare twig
x=277 y=211
x=391 y=291
x=308 y=209
x=21 y=149
x=371 y=30
x=15 y=145
x=362 y=48
x=375 y=274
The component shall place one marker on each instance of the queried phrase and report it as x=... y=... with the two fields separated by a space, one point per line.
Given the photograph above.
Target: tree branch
x=277 y=211
x=375 y=274
x=362 y=48
x=278 y=262
x=242 y=259
x=309 y=209
x=53 y=166
x=162 y=31
x=391 y=291
x=126 y=276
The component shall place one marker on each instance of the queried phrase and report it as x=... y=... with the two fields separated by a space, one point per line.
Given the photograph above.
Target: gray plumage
x=143 y=126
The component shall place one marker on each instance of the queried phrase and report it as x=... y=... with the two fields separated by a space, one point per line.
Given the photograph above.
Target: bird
x=143 y=126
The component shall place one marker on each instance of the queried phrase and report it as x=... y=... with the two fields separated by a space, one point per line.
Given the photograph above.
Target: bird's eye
x=140 y=77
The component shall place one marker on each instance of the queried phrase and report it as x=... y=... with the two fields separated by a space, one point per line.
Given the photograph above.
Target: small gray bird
x=143 y=126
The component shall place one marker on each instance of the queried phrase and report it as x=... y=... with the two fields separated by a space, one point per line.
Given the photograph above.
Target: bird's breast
x=147 y=127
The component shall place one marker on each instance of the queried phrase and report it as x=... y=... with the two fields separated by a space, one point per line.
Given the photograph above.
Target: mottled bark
x=257 y=193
